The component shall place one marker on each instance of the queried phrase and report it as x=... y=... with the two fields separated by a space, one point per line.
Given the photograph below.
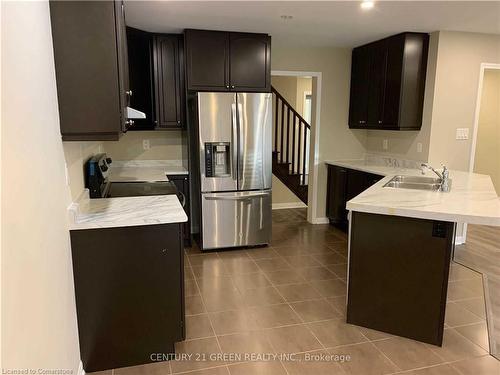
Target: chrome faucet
x=443 y=176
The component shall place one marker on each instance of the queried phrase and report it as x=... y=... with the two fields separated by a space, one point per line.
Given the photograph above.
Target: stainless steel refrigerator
x=235 y=138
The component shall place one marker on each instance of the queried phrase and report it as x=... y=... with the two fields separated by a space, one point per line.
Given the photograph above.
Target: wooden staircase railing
x=291 y=146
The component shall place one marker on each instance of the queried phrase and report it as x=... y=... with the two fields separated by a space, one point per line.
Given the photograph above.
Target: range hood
x=135 y=114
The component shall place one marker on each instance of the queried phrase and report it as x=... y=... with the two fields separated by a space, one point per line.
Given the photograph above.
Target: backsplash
x=389 y=161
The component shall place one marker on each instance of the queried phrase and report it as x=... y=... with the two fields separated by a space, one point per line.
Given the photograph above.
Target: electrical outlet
x=419 y=147
x=462 y=134
x=145 y=144
x=385 y=144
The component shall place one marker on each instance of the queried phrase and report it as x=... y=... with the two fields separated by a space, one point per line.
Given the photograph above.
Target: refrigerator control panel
x=217 y=159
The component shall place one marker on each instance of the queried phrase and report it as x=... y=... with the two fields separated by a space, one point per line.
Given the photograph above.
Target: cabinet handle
x=227 y=86
x=379 y=121
x=164 y=251
x=129 y=123
x=232 y=87
x=362 y=121
x=179 y=122
x=129 y=93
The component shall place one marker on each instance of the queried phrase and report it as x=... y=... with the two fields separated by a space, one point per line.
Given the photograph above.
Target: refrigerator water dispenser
x=217 y=159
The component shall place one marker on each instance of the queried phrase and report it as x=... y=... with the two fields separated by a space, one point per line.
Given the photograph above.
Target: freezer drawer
x=236 y=219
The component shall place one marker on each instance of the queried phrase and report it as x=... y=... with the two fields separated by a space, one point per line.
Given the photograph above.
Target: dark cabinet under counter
x=398 y=275
x=343 y=184
x=129 y=288
x=181 y=182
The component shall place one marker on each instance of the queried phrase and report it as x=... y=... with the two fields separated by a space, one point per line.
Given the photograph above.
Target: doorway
x=296 y=108
x=485 y=149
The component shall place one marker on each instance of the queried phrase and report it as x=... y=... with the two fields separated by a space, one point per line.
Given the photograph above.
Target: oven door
x=236 y=219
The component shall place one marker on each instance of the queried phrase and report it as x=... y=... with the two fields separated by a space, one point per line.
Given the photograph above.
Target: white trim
x=459 y=240
x=313 y=147
x=80 y=370
x=320 y=220
x=475 y=128
x=281 y=206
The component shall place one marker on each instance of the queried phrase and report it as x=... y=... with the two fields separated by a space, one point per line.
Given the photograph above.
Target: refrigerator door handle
x=240 y=144
x=234 y=141
x=236 y=198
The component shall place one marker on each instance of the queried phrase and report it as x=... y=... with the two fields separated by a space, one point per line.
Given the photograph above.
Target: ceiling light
x=367 y=4
x=286 y=17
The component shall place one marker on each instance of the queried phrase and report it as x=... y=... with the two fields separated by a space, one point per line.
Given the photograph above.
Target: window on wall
x=307 y=106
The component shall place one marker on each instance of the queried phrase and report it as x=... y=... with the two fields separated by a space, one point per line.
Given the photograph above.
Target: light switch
x=462 y=134
x=419 y=147
x=145 y=144
x=385 y=144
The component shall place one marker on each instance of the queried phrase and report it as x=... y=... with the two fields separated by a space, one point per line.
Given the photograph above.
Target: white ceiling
x=316 y=23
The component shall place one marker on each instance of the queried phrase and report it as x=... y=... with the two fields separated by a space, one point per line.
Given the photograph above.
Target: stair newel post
x=282 y=129
x=304 y=157
x=299 y=146
x=288 y=135
x=276 y=122
x=293 y=143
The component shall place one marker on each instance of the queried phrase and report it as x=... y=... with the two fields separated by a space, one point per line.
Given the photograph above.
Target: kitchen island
x=401 y=242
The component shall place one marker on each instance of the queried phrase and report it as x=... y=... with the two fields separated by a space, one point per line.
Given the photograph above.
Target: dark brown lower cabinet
x=343 y=185
x=398 y=275
x=181 y=182
x=129 y=287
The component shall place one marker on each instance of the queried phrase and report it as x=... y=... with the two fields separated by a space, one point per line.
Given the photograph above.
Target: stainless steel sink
x=417 y=179
x=415 y=182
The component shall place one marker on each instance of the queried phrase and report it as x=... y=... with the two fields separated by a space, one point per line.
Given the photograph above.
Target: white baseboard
x=320 y=220
x=281 y=206
x=459 y=240
x=81 y=371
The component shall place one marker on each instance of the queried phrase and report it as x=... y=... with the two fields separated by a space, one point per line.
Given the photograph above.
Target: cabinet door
x=356 y=183
x=207 y=60
x=129 y=287
x=371 y=179
x=123 y=74
x=336 y=195
x=360 y=73
x=139 y=45
x=86 y=66
x=181 y=182
x=250 y=62
x=393 y=76
x=169 y=83
x=376 y=87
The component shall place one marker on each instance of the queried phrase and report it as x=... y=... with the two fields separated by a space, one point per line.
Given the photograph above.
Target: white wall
x=457 y=78
x=487 y=154
x=38 y=305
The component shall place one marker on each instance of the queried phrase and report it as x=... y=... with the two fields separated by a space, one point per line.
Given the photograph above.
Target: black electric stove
x=97 y=181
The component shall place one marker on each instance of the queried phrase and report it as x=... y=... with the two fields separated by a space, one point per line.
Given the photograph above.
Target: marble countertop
x=125 y=212
x=144 y=170
x=472 y=198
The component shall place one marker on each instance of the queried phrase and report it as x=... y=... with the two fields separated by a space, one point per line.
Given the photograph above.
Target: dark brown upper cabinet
x=387 y=83
x=90 y=52
x=169 y=87
x=140 y=62
x=227 y=61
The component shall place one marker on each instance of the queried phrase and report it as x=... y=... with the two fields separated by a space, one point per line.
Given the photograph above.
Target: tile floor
x=290 y=298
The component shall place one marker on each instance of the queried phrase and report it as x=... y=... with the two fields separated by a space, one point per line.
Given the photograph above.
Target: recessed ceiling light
x=286 y=17
x=367 y=4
